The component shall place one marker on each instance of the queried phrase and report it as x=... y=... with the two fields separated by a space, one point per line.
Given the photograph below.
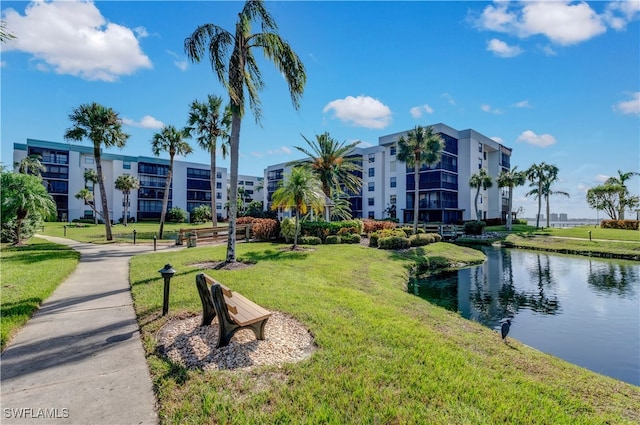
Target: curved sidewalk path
x=79 y=359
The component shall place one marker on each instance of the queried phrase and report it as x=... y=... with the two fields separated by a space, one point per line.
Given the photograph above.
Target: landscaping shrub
x=423 y=239
x=407 y=230
x=348 y=231
x=333 y=239
x=309 y=240
x=263 y=229
x=351 y=238
x=474 y=227
x=201 y=214
x=494 y=222
x=394 y=242
x=385 y=233
x=288 y=229
x=176 y=215
x=370 y=226
x=520 y=221
x=322 y=229
x=620 y=224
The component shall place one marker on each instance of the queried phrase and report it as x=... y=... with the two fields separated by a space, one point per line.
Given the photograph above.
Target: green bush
x=322 y=229
x=351 y=238
x=407 y=230
x=333 y=239
x=385 y=233
x=423 y=239
x=201 y=214
x=394 y=242
x=288 y=229
x=176 y=215
x=520 y=221
x=309 y=240
x=474 y=227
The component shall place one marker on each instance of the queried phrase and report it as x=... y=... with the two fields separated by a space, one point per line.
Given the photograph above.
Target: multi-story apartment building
x=190 y=186
x=388 y=188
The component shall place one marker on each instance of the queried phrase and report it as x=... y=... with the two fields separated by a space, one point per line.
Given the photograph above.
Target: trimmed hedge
x=394 y=242
x=322 y=229
x=620 y=224
x=333 y=239
x=350 y=238
x=424 y=239
x=371 y=226
x=264 y=229
x=474 y=227
x=309 y=240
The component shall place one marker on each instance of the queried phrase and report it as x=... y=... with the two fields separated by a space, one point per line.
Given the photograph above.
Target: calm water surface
x=583 y=310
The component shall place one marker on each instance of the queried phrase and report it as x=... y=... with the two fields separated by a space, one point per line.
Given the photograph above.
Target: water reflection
x=581 y=309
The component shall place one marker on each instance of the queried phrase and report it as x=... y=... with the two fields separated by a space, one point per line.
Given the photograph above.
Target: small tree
x=301 y=190
x=172 y=141
x=23 y=199
x=85 y=195
x=480 y=180
x=125 y=184
x=31 y=164
x=511 y=179
x=201 y=214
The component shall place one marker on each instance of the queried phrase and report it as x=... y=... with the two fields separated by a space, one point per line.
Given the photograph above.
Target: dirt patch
x=222 y=265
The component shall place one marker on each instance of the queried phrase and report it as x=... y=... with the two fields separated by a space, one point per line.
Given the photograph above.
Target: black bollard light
x=134 y=236
x=167 y=273
x=65 y=230
x=154 y=242
x=589 y=235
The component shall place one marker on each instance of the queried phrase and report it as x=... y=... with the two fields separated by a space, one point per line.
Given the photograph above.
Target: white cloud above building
x=146 y=122
x=73 y=38
x=531 y=138
x=631 y=106
x=360 y=111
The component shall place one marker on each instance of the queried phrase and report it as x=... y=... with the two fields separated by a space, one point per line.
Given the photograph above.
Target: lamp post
x=167 y=273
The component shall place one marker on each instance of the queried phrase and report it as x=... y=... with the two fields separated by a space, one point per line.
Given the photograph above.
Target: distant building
x=553 y=217
x=564 y=217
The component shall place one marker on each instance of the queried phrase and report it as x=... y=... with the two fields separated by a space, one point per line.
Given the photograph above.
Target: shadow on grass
x=36 y=256
x=275 y=255
x=45 y=246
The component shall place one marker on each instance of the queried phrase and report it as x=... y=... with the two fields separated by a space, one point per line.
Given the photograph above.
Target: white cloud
x=532 y=138
x=146 y=122
x=502 y=49
x=362 y=143
x=487 y=108
x=361 y=111
x=180 y=62
x=563 y=22
x=416 y=111
x=522 y=104
x=449 y=98
x=72 y=37
x=497 y=139
x=629 y=106
x=282 y=150
x=602 y=178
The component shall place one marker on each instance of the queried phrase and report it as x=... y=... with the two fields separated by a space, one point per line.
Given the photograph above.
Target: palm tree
x=5 y=35
x=300 y=190
x=172 y=141
x=125 y=184
x=421 y=146
x=31 y=164
x=237 y=70
x=331 y=165
x=620 y=181
x=91 y=176
x=209 y=123
x=85 y=195
x=103 y=127
x=536 y=175
x=23 y=197
x=511 y=179
x=480 y=180
x=547 y=192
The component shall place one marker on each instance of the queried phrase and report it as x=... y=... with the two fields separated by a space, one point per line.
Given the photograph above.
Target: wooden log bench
x=234 y=311
x=211 y=234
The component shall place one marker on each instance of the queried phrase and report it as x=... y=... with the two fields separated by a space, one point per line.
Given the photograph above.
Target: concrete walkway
x=80 y=360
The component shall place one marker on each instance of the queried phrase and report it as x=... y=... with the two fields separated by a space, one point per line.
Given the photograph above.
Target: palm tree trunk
x=165 y=198
x=234 y=148
x=103 y=196
x=509 y=208
x=126 y=204
x=416 y=206
x=546 y=198
x=295 y=233
x=539 y=203
x=212 y=180
x=476 y=204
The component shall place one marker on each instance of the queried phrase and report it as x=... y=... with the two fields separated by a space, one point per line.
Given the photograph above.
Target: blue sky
x=556 y=81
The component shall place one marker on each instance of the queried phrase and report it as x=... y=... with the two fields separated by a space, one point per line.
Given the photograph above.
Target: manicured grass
x=582 y=232
x=628 y=250
x=29 y=275
x=384 y=356
x=94 y=233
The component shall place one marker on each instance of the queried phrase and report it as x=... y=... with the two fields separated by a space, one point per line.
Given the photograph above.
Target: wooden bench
x=211 y=234
x=234 y=311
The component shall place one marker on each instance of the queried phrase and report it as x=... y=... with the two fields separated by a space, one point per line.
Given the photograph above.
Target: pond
x=583 y=310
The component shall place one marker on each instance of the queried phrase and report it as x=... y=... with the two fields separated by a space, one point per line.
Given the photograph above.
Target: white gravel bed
x=185 y=342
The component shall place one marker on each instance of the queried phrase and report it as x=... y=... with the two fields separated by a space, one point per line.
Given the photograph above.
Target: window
x=218 y=185
x=371 y=216
x=218 y=175
x=218 y=195
x=89 y=160
x=484 y=155
x=126 y=165
x=479 y=163
x=248 y=183
x=392 y=150
x=218 y=205
x=372 y=172
x=370 y=201
x=372 y=157
x=393 y=199
x=372 y=187
x=392 y=166
x=392 y=182
x=479 y=147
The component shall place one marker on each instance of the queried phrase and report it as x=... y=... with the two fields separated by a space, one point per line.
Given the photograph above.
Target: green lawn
x=95 y=233
x=384 y=356
x=29 y=275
